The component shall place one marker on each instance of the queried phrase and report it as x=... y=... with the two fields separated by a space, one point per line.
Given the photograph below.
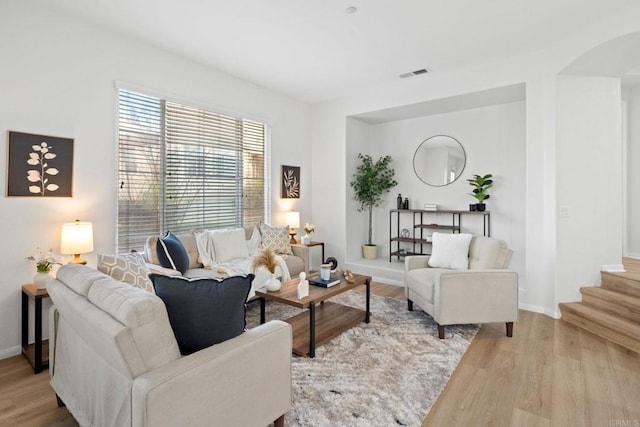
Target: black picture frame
x=290 y=182
x=39 y=165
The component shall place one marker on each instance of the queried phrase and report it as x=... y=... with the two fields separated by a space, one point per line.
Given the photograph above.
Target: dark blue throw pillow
x=171 y=253
x=203 y=311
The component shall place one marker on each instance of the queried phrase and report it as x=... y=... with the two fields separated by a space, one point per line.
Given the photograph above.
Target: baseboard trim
x=10 y=352
x=537 y=309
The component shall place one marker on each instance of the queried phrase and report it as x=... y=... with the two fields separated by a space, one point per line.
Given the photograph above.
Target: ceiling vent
x=414 y=73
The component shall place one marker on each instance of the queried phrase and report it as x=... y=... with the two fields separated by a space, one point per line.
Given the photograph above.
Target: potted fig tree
x=371 y=181
x=480 y=186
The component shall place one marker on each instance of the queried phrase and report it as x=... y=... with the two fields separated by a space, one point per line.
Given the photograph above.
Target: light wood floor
x=549 y=374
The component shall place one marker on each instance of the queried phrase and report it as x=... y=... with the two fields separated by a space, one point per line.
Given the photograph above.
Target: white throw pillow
x=450 y=251
x=230 y=244
x=253 y=242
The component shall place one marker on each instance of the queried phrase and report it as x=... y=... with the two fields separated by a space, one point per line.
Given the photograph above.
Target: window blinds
x=183 y=168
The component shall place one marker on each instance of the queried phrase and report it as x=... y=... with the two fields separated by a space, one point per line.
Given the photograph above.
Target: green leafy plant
x=371 y=181
x=480 y=186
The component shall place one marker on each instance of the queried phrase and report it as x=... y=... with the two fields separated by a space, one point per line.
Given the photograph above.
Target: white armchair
x=485 y=293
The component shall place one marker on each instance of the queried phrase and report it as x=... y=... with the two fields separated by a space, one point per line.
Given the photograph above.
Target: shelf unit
x=418 y=241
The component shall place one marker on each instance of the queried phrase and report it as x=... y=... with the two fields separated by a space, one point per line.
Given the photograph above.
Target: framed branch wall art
x=39 y=165
x=290 y=186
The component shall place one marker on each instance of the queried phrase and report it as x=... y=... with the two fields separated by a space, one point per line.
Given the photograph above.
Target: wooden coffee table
x=325 y=319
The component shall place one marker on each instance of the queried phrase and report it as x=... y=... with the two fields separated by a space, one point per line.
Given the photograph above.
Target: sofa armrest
x=243 y=381
x=302 y=251
x=476 y=296
x=416 y=261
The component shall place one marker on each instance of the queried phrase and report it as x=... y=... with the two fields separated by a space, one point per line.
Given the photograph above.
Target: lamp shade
x=77 y=238
x=293 y=219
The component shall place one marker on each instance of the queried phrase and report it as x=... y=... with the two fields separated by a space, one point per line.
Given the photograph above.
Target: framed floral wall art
x=290 y=187
x=39 y=165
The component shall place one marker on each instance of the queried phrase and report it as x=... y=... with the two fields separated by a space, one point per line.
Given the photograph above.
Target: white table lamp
x=76 y=239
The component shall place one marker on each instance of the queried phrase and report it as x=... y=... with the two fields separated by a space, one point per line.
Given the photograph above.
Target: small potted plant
x=308 y=230
x=44 y=264
x=371 y=182
x=480 y=186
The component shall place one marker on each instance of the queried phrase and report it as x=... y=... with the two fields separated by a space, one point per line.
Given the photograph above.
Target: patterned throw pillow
x=128 y=268
x=275 y=238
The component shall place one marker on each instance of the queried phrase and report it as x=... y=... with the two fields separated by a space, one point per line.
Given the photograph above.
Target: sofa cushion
x=276 y=238
x=450 y=251
x=230 y=244
x=422 y=281
x=205 y=311
x=128 y=268
x=488 y=253
x=78 y=277
x=171 y=253
x=130 y=305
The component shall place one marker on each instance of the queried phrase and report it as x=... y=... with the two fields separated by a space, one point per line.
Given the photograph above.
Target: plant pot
x=306 y=239
x=480 y=207
x=41 y=280
x=472 y=207
x=369 y=251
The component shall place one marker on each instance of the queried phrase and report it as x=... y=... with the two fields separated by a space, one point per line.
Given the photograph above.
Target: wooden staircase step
x=617 y=329
x=624 y=283
x=631 y=264
x=612 y=302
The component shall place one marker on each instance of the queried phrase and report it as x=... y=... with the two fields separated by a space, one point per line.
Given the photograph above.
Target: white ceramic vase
x=306 y=239
x=41 y=280
x=273 y=284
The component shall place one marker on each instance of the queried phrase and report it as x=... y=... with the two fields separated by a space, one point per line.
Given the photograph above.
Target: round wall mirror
x=439 y=160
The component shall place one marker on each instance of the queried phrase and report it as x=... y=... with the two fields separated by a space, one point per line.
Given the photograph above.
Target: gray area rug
x=385 y=373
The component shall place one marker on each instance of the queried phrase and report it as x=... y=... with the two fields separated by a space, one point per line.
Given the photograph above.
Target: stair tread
x=611 y=295
x=632 y=275
x=603 y=318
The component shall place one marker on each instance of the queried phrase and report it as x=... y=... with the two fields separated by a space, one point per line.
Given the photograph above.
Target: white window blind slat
x=182 y=168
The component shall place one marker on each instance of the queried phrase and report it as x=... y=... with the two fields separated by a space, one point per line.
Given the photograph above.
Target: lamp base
x=292 y=233
x=77 y=260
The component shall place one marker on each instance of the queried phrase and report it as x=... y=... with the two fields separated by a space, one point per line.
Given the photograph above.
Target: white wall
x=538 y=71
x=493 y=138
x=589 y=181
x=57 y=78
x=633 y=172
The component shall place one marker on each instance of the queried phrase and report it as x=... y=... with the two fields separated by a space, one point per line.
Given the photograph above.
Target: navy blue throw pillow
x=171 y=253
x=203 y=311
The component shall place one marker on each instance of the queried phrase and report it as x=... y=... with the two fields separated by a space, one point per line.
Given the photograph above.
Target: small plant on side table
x=480 y=186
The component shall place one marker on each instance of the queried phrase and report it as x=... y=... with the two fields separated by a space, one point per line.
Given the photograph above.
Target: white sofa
x=296 y=263
x=114 y=361
x=487 y=292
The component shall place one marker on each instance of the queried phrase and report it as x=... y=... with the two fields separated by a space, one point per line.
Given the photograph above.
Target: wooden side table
x=312 y=244
x=37 y=353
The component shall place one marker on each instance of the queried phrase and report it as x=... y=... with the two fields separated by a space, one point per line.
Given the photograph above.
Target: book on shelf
x=317 y=281
x=430 y=207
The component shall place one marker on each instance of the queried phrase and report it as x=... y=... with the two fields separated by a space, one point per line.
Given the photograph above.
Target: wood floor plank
x=569 y=400
x=522 y=418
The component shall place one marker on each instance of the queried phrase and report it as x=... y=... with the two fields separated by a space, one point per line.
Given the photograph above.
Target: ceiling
x=313 y=50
